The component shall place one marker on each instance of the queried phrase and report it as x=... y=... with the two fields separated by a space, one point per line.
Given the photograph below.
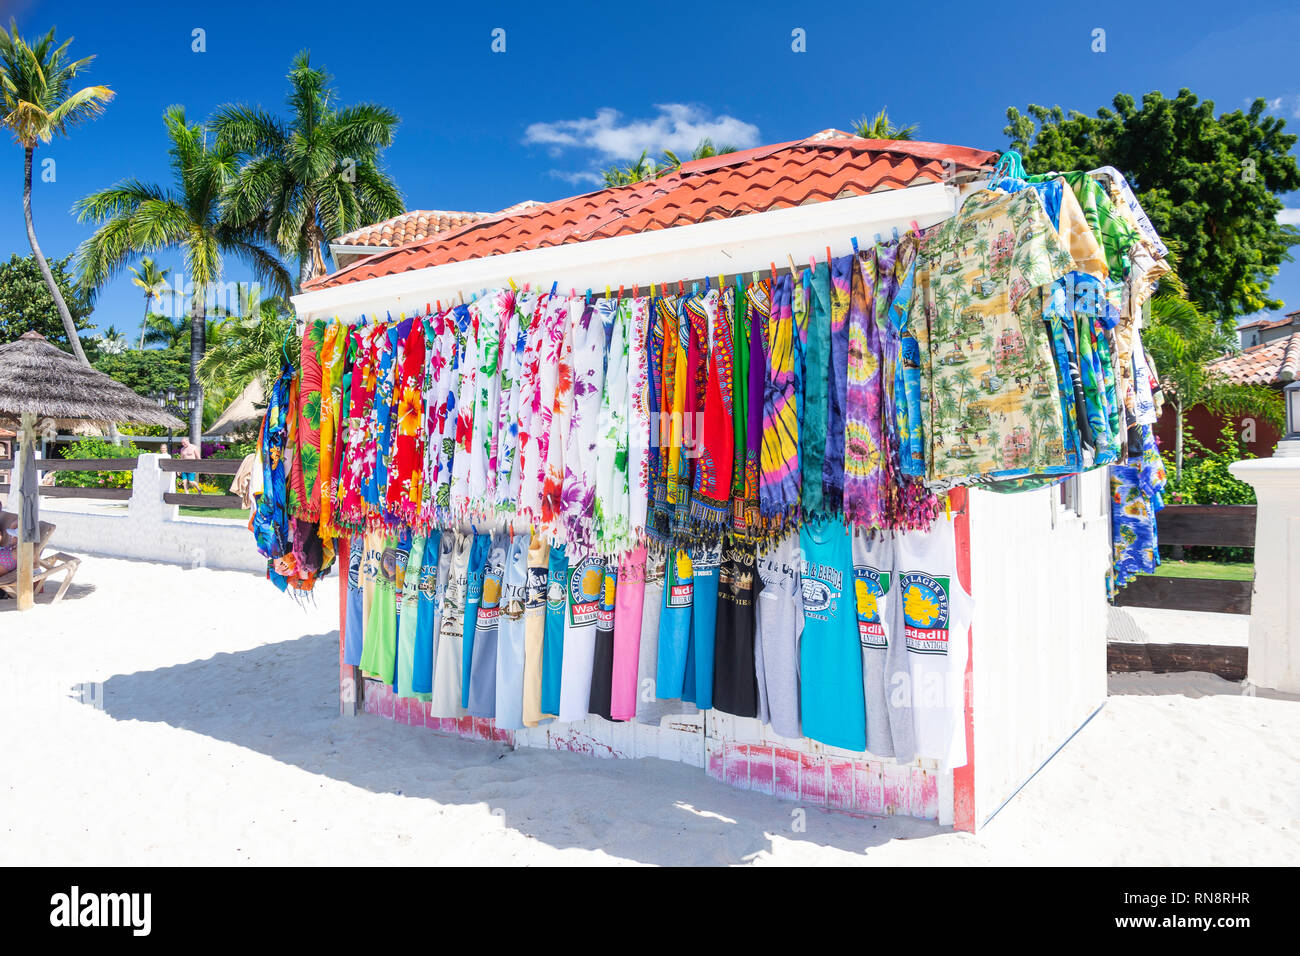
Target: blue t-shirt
x=473 y=594
x=830 y=657
x=354 y=628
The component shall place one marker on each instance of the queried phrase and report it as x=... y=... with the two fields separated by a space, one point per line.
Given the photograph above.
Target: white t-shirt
x=935 y=618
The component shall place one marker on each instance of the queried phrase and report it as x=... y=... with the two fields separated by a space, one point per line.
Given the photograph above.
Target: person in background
x=189 y=479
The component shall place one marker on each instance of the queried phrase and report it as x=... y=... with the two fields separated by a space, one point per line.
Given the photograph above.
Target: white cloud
x=581 y=178
x=1289 y=217
x=678 y=127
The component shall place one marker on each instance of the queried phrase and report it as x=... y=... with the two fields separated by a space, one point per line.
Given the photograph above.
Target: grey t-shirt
x=780 y=626
x=873 y=571
x=649 y=709
x=483 y=663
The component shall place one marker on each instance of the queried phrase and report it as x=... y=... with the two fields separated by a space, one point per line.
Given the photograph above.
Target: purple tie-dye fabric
x=837 y=378
x=865 y=476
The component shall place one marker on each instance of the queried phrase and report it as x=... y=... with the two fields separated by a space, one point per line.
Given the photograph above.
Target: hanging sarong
x=557 y=434
x=540 y=366
x=491 y=312
x=817 y=359
x=865 y=479
x=270 y=521
x=406 y=475
x=613 y=527
x=779 y=462
x=711 y=488
x=578 y=494
x=697 y=312
x=307 y=410
x=759 y=300
x=333 y=353
x=639 y=424
x=842 y=270
x=514 y=383
x=466 y=398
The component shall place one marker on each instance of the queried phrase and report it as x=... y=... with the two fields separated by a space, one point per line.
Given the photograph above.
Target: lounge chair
x=43 y=566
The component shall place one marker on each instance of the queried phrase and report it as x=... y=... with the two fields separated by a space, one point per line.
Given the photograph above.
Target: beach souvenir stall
x=796 y=464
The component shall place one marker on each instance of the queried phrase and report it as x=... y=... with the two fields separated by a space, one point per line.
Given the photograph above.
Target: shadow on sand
x=280 y=700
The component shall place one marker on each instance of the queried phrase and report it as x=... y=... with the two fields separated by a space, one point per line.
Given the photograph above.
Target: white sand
x=215 y=739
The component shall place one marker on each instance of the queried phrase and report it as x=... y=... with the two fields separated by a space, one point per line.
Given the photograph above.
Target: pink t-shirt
x=627 y=633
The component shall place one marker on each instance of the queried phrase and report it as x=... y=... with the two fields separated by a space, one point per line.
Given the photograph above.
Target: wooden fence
x=206 y=466
x=1230 y=526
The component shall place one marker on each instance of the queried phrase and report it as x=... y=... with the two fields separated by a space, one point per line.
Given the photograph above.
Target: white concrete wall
x=1038 y=578
x=149 y=529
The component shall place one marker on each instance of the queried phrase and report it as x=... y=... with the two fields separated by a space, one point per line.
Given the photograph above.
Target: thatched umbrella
x=41 y=381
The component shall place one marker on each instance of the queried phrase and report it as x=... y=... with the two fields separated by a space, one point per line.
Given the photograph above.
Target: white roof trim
x=720 y=247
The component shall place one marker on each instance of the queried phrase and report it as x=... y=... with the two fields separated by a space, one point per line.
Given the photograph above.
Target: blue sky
x=579 y=83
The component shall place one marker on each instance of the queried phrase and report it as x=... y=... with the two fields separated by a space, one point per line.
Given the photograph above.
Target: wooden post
x=26 y=555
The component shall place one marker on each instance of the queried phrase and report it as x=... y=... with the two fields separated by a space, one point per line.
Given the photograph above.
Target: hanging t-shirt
x=408 y=617
x=830 y=656
x=602 y=664
x=399 y=588
x=735 y=679
x=483 y=665
x=557 y=611
x=511 y=636
x=478 y=556
x=705 y=562
x=431 y=568
x=539 y=554
x=675 y=626
x=627 y=633
x=936 y=621
x=371 y=566
x=379 y=656
x=884 y=660
x=353 y=629
x=780 y=625
x=448 y=668
x=586 y=585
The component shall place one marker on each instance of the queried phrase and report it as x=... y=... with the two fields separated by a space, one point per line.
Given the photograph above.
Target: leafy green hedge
x=92 y=447
x=1207 y=481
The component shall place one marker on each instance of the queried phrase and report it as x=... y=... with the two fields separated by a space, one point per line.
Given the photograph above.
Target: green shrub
x=93 y=447
x=1207 y=481
x=236 y=450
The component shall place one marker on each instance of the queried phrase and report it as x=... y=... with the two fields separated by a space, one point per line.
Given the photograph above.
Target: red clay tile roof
x=829 y=165
x=408 y=227
x=1273 y=363
x=1265 y=324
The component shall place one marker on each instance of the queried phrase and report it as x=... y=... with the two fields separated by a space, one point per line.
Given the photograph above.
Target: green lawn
x=237 y=513
x=1206 y=569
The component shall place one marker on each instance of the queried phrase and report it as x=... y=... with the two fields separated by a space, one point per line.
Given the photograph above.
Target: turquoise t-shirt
x=426 y=616
x=830 y=658
x=704 y=617
x=557 y=584
x=675 y=628
x=408 y=617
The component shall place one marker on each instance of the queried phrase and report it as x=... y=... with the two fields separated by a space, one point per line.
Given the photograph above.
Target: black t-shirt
x=735 y=682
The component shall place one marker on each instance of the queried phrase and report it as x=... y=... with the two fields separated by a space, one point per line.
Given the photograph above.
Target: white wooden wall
x=1038 y=577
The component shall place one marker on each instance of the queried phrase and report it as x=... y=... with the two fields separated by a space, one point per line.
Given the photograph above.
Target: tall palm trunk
x=198 y=345
x=69 y=327
x=144 y=323
x=1178 y=442
x=312 y=263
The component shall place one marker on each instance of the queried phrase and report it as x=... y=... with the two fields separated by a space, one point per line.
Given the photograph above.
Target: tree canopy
x=1210 y=184
x=148 y=371
x=27 y=306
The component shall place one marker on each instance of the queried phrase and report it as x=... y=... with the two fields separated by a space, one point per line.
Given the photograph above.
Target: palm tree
x=39 y=104
x=1183 y=342
x=171 y=332
x=316 y=176
x=136 y=217
x=154 y=283
x=703 y=150
x=881 y=126
x=644 y=168
x=250 y=347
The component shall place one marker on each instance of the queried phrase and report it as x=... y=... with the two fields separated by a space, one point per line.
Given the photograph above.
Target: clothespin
x=426 y=306
x=812 y=263
x=652 y=290
x=427 y=310
x=708 y=287
x=607 y=291
x=554 y=286
x=620 y=291
x=793 y=268
x=855 y=243
x=461 y=293
x=947 y=507
x=588 y=297
x=915 y=227
x=695 y=288
x=895 y=233
x=513 y=287
x=722 y=282
x=773 y=265
x=828 y=257
x=681 y=287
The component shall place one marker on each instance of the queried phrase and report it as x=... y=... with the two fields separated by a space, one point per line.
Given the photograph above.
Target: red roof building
x=827 y=166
